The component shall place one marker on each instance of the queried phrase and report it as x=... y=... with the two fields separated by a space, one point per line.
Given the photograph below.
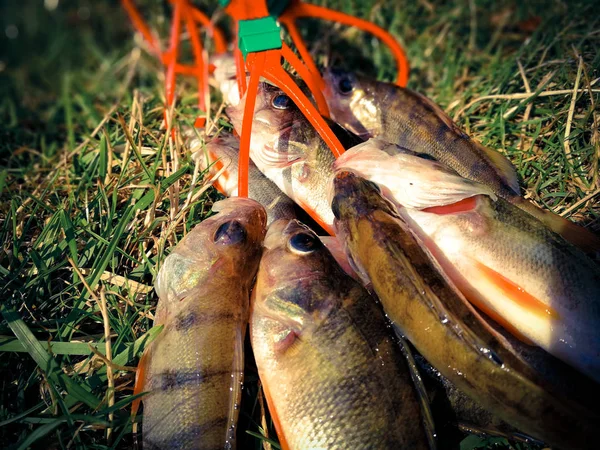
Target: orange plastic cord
x=247 y=9
x=277 y=75
x=257 y=61
x=173 y=52
x=268 y=65
x=216 y=33
x=240 y=65
x=140 y=25
x=297 y=9
x=315 y=84
x=200 y=69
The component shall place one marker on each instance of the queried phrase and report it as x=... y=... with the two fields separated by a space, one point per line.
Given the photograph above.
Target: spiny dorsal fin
x=503 y=166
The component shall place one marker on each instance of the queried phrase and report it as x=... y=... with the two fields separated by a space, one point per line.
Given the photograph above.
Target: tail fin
x=570 y=231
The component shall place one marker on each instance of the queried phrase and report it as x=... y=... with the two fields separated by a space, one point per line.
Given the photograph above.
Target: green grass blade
x=44 y=360
x=10 y=344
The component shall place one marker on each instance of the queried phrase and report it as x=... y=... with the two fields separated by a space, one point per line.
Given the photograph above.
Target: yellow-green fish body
x=193 y=371
x=447 y=331
x=504 y=260
x=334 y=377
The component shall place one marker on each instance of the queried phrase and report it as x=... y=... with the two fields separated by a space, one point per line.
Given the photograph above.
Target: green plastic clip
x=258 y=35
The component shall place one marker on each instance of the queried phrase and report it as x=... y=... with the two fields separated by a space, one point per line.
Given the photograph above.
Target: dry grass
x=93 y=192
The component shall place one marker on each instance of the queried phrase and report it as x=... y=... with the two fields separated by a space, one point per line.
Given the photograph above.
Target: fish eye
x=230 y=233
x=281 y=101
x=345 y=85
x=304 y=243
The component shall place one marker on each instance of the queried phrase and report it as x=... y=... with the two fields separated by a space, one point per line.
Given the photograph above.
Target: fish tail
x=570 y=231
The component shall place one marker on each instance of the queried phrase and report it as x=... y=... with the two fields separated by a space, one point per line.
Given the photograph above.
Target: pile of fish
x=441 y=297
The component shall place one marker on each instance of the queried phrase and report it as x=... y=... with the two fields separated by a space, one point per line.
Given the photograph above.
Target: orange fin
x=514 y=293
x=503 y=167
x=140 y=378
x=282 y=442
x=464 y=205
x=220 y=183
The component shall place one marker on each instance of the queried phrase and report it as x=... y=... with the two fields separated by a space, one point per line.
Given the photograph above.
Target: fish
x=221 y=153
x=290 y=152
x=192 y=372
x=449 y=333
x=332 y=374
x=372 y=108
x=504 y=261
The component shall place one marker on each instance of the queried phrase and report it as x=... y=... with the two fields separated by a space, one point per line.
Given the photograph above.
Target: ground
x=86 y=217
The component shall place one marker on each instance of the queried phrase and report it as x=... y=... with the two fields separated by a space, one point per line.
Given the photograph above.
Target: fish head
x=352 y=196
x=351 y=102
x=351 y=193
x=274 y=111
x=279 y=129
x=295 y=282
x=229 y=241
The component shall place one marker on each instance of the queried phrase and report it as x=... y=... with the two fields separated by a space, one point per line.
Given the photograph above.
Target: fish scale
x=333 y=375
x=448 y=332
x=400 y=116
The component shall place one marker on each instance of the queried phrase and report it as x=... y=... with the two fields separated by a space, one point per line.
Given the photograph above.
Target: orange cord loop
x=265 y=63
x=297 y=9
x=183 y=11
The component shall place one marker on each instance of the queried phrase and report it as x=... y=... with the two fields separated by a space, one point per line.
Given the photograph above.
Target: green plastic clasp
x=258 y=35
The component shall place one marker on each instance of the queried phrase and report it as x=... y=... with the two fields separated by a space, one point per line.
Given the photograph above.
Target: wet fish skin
x=194 y=369
x=446 y=330
x=413 y=179
x=536 y=262
x=398 y=115
x=503 y=260
x=289 y=151
x=401 y=116
x=332 y=374
x=221 y=152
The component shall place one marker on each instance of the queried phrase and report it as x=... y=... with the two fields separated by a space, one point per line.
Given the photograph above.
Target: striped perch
x=193 y=371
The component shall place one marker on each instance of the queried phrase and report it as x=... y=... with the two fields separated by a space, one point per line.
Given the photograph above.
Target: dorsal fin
x=503 y=167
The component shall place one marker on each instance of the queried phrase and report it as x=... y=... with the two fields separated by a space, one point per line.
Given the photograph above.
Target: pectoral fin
x=282 y=441
x=513 y=293
x=140 y=380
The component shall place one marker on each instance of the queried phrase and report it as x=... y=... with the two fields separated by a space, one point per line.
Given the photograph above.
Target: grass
x=86 y=218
